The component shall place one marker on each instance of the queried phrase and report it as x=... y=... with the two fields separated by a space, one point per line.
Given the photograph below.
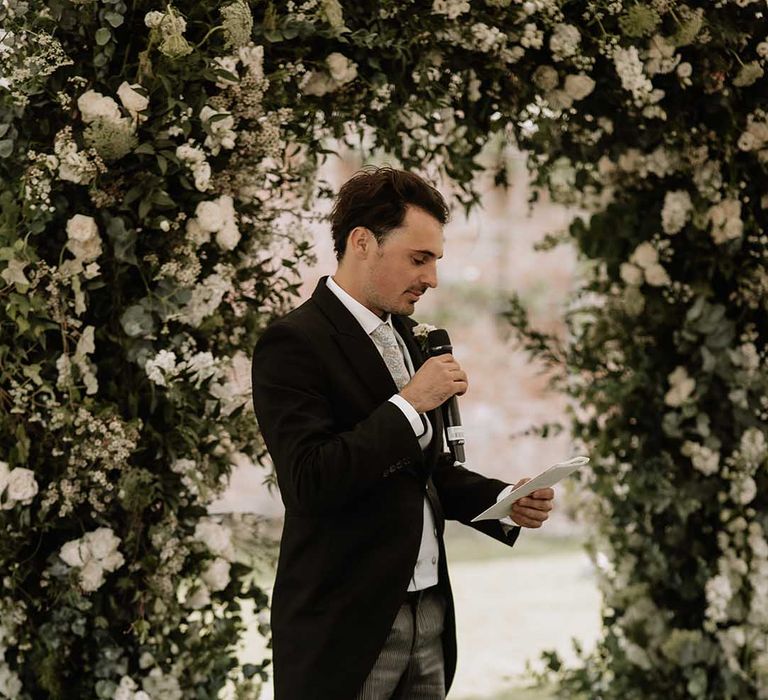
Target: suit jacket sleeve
x=320 y=467
x=464 y=493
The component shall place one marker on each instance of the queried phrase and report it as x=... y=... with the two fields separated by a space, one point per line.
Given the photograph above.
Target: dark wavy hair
x=377 y=198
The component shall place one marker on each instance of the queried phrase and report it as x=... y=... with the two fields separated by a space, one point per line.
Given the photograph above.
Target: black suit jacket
x=353 y=479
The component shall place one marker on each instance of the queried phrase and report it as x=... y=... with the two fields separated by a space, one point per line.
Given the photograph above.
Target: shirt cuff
x=506 y=523
x=410 y=413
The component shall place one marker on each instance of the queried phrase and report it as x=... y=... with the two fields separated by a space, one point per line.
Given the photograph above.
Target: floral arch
x=157 y=163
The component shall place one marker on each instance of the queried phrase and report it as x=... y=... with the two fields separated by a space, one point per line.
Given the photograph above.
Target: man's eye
x=419 y=261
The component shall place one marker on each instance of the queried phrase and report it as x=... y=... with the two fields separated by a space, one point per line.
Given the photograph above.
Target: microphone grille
x=438 y=338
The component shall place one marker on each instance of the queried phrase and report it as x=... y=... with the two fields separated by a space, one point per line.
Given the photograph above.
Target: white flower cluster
x=704 y=459
x=681 y=388
x=170 y=27
x=207 y=296
x=161 y=685
x=339 y=71
x=450 y=8
x=18 y=486
x=194 y=158
x=629 y=68
x=216 y=575
x=564 y=41
x=644 y=265
x=73 y=164
x=215 y=216
x=235 y=391
x=676 y=211
x=725 y=217
x=755 y=136
x=110 y=133
x=129 y=690
x=220 y=127
x=94 y=553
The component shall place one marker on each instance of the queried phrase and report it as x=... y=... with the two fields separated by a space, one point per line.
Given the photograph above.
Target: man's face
x=404 y=265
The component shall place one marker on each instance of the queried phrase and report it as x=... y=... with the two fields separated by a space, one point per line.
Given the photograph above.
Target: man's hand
x=434 y=383
x=533 y=510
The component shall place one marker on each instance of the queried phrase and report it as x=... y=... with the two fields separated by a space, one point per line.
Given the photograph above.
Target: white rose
x=132 y=100
x=342 y=70
x=83 y=238
x=216 y=575
x=113 y=560
x=102 y=542
x=631 y=274
x=579 y=86
x=209 y=216
x=22 y=485
x=228 y=236
x=91 y=576
x=74 y=553
x=93 y=105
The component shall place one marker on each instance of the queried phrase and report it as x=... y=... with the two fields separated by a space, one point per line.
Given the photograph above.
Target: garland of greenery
x=157 y=163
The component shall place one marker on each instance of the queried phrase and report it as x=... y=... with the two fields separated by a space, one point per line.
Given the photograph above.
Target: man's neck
x=349 y=286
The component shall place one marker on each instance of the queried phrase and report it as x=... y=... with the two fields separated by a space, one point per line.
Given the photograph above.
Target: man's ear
x=359 y=241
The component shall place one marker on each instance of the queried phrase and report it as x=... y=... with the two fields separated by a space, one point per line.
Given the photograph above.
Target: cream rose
x=83 y=238
x=91 y=576
x=102 y=542
x=342 y=70
x=209 y=216
x=132 y=100
x=75 y=553
x=22 y=485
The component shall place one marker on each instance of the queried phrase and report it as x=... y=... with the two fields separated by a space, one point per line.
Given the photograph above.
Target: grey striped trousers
x=410 y=665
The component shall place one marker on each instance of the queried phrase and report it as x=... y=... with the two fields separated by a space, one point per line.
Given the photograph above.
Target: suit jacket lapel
x=362 y=356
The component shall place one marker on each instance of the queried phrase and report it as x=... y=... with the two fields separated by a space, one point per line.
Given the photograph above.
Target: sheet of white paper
x=549 y=477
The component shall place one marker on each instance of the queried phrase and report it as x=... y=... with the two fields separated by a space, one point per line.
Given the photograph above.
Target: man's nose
x=429 y=278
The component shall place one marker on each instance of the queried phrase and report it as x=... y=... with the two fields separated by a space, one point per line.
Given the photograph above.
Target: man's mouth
x=414 y=294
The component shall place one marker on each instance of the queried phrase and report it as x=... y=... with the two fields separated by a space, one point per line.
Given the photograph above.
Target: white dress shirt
x=425 y=572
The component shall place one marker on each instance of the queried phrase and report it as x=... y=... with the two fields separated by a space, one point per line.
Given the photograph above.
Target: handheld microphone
x=439 y=343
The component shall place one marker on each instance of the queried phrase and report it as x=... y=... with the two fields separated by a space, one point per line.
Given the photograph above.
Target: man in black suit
x=346 y=402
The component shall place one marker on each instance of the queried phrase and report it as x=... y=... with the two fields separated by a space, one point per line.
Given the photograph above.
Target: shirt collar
x=365 y=317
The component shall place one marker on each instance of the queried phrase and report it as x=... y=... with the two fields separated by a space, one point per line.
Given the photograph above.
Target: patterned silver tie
x=384 y=337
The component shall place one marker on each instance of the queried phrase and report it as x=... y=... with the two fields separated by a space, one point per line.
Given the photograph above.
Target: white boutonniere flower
x=421 y=331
